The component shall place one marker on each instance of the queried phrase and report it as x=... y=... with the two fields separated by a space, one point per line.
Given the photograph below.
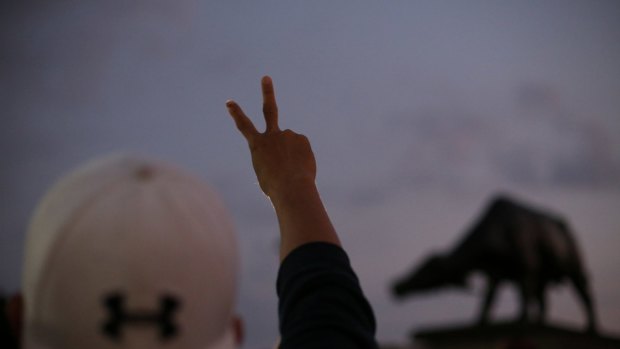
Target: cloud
x=541 y=142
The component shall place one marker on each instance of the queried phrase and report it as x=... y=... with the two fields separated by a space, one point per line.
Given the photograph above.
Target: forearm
x=302 y=218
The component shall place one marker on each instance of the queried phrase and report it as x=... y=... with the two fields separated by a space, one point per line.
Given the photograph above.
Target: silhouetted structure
x=511 y=335
x=510 y=242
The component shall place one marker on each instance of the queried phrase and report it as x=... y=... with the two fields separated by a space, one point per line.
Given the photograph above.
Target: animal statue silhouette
x=511 y=242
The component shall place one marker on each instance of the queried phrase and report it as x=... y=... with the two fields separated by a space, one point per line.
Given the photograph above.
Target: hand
x=286 y=171
x=283 y=160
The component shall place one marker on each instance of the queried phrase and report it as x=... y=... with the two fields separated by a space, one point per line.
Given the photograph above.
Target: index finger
x=270 y=108
x=244 y=124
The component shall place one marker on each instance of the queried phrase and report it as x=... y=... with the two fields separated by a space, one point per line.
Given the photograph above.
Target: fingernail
x=230 y=103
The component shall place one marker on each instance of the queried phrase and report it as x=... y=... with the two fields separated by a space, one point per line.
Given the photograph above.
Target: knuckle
x=288 y=132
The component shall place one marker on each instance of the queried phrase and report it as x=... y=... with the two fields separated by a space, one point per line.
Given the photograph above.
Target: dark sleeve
x=321 y=304
x=7 y=339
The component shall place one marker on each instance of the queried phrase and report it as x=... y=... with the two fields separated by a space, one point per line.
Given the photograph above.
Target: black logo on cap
x=119 y=316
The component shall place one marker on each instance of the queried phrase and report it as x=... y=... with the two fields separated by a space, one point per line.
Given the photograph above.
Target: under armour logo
x=118 y=316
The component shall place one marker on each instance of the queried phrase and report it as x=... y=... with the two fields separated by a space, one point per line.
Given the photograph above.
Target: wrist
x=293 y=192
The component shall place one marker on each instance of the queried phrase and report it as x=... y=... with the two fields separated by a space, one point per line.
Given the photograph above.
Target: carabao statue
x=510 y=243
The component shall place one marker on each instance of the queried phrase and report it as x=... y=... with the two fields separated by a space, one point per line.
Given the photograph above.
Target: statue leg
x=488 y=301
x=528 y=290
x=542 y=304
x=524 y=303
x=581 y=286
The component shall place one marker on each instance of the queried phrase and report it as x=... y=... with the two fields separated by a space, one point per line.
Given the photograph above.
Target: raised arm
x=286 y=172
x=321 y=304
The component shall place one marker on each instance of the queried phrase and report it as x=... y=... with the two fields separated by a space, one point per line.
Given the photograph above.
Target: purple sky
x=417 y=111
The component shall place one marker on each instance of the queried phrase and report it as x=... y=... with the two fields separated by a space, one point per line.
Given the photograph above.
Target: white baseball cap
x=130 y=253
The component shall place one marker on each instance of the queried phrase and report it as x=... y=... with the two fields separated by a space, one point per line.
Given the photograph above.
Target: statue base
x=511 y=335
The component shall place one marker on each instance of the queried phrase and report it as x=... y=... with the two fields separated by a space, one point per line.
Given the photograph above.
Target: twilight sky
x=418 y=111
